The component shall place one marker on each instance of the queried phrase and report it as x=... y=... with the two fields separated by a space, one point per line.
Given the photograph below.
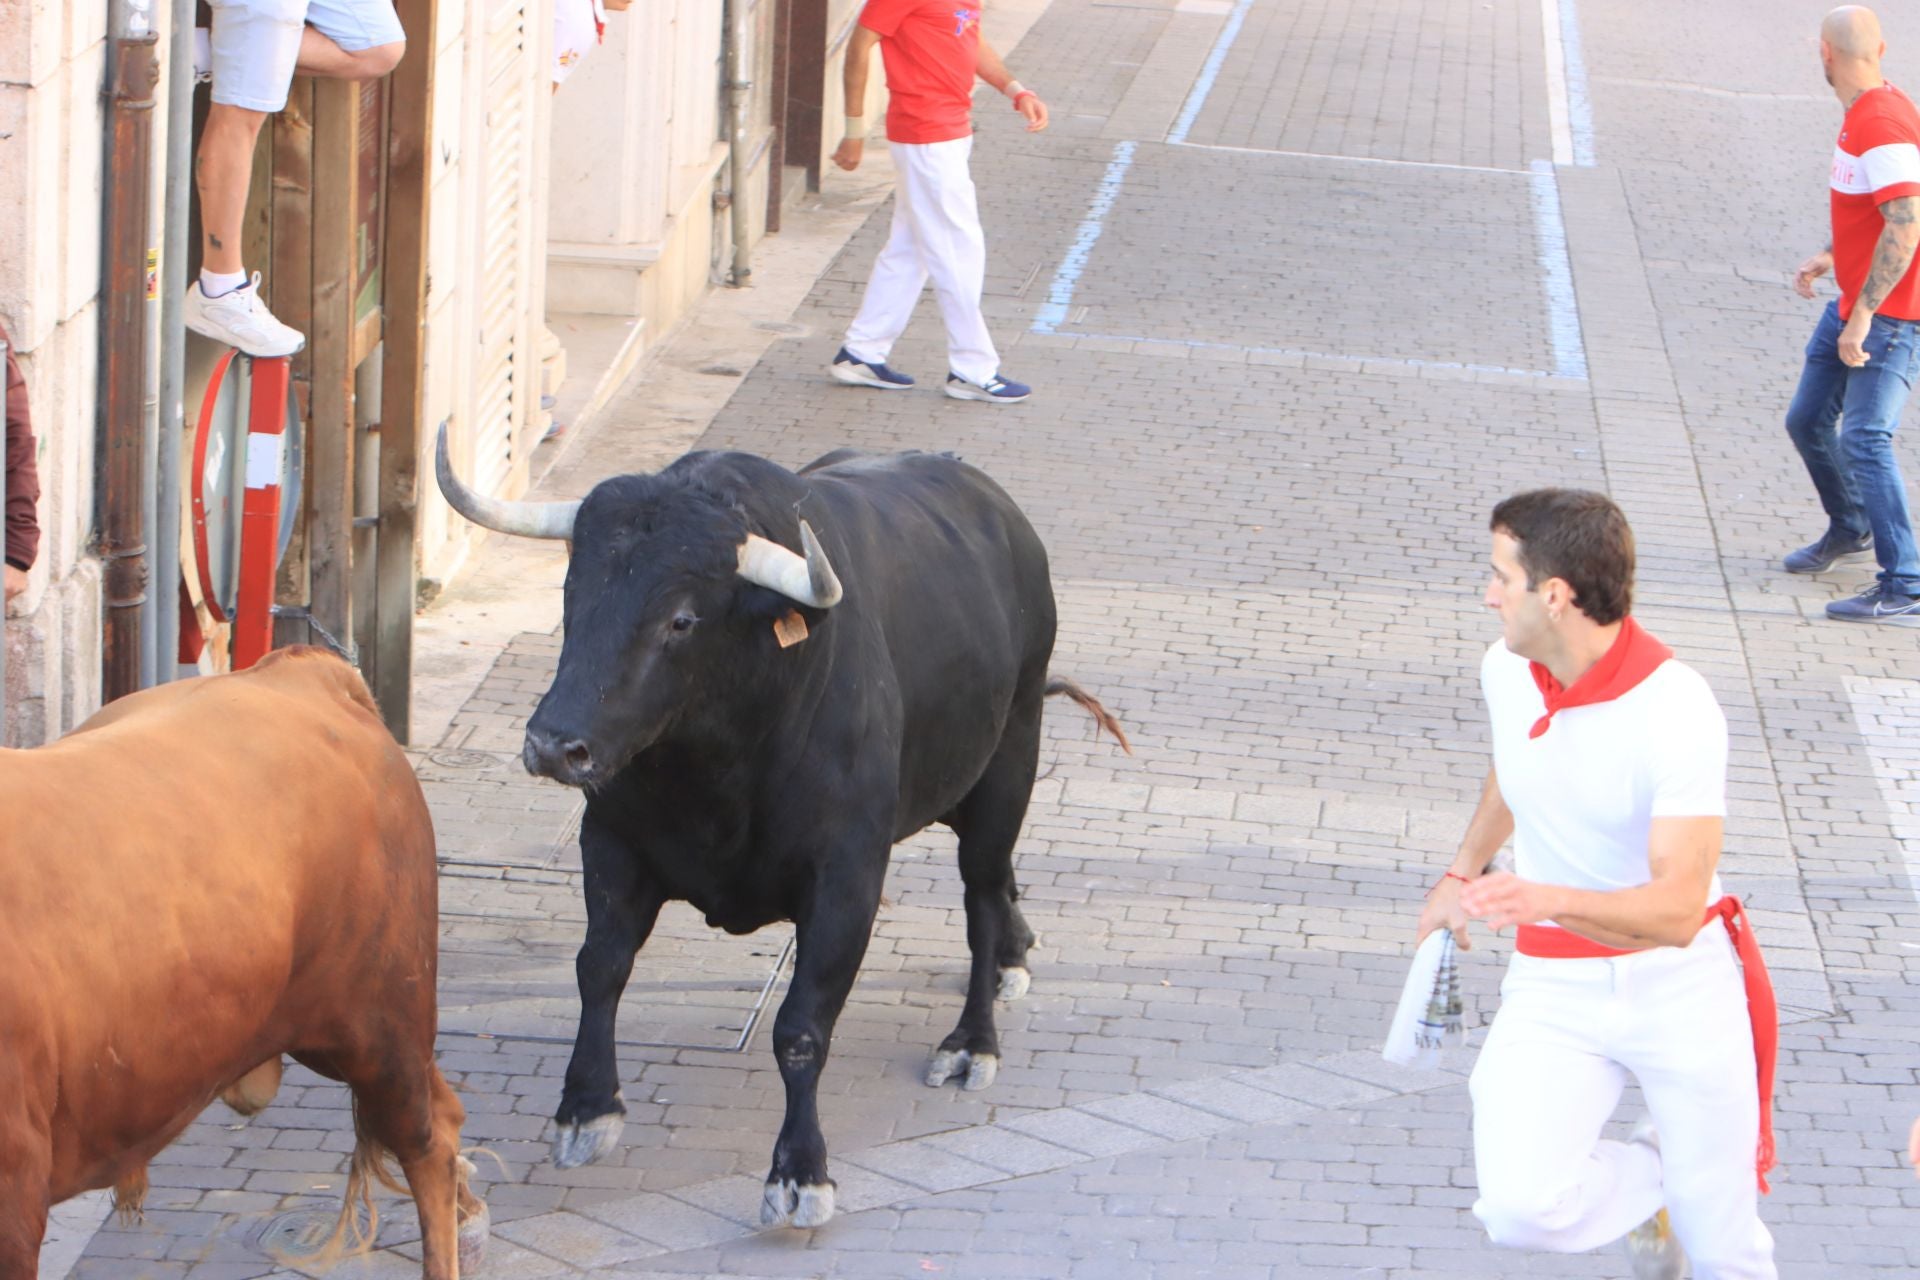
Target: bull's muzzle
x=565 y=760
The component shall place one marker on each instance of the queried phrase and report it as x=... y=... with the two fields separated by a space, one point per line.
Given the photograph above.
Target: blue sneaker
x=1878 y=603
x=858 y=373
x=1818 y=557
x=995 y=390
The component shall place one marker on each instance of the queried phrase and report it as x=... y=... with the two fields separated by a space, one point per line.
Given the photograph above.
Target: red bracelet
x=1454 y=875
x=1024 y=93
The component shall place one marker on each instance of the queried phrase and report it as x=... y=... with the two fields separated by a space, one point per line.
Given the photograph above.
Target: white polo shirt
x=1584 y=793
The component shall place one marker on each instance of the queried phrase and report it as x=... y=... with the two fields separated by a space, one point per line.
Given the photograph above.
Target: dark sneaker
x=995 y=390
x=1878 y=603
x=1821 y=556
x=858 y=373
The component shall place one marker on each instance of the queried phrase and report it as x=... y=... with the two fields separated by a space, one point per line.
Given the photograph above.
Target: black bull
x=755 y=729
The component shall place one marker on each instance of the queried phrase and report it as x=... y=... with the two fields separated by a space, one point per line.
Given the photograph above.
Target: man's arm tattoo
x=1894 y=253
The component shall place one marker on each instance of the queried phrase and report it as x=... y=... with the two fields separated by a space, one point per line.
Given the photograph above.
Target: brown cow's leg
x=25 y=1165
x=395 y=1105
x=470 y=1211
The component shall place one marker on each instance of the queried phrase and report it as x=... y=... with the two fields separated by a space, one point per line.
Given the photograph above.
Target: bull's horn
x=809 y=580
x=529 y=519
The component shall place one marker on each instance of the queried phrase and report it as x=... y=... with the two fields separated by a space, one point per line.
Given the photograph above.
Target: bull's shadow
x=755 y=727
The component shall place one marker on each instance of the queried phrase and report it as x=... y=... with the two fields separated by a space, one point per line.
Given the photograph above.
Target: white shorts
x=257 y=42
x=577 y=25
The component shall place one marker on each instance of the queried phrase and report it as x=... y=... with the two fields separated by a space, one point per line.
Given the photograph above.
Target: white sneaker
x=1652 y=1247
x=1655 y=1251
x=241 y=321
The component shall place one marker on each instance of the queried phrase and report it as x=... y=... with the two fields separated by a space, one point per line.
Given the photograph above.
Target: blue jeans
x=1842 y=422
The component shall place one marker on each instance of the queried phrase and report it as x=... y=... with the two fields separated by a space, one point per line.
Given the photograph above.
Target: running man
x=1609 y=772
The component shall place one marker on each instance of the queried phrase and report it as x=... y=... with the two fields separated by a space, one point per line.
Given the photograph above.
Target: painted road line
x=1053 y=312
x=1321 y=155
x=1569 y=110
x=1556 y=272
x=1887 y=714
x=1197 y=97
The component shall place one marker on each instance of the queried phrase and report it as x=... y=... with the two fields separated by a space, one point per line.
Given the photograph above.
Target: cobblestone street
x=1303 y=287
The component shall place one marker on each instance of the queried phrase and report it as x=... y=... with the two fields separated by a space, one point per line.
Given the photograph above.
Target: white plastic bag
x=1429 y=1017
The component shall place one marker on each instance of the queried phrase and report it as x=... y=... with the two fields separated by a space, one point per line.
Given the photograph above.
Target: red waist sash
x=1549 y=943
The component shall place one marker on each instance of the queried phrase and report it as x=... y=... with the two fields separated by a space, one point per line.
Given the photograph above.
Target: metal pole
x=173 y=340
x=150 y=430
x=739 y=86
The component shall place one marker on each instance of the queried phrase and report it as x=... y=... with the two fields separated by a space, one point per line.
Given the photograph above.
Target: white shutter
x=507 y=372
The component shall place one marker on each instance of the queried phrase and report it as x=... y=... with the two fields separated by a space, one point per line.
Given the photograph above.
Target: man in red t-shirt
x=933 y=50
x=1865 y=354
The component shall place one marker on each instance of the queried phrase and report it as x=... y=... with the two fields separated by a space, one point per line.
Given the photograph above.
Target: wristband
x=856 y=128
x=1014 y=89
x=1453 y=875
x=1024 y=93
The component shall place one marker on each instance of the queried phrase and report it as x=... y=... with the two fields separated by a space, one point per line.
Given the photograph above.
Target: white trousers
x=936 y=235
x=1567 y=1034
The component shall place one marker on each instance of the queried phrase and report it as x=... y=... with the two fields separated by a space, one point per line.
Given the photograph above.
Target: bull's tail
x=1101 y=716
x=359 y=1217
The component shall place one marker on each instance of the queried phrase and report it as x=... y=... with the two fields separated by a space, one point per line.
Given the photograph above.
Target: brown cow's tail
x=359 y=1217
x=1102 y=717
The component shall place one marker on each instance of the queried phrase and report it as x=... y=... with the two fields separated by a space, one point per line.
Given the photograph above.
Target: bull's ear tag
x=790 y=629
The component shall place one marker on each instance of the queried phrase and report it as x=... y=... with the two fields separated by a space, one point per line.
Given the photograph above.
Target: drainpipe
x=125 y=445
x=739 y=87
x=173 y=340
x=5 y=718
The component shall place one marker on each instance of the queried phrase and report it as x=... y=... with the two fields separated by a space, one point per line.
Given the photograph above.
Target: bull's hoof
x=980 y=1069
x=1014 y=983
x=788 y=1203
x=472 y=1239
x=578 y=1144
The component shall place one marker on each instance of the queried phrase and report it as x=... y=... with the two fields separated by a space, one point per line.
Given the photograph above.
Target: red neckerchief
x=1631 y=658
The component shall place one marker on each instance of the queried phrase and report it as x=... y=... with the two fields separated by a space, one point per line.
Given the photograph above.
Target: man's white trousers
x=936 y=235
x=1566 y=1037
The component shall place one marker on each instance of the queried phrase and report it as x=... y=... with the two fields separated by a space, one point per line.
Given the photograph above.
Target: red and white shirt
x=1876 y=160
x=932 y=52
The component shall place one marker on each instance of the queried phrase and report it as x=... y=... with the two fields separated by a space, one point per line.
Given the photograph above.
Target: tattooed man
x=1865 y=354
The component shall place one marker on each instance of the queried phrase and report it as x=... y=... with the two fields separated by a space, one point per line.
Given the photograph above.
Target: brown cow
x=199 y=879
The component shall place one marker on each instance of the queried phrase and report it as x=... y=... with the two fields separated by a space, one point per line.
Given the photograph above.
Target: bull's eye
x=682 y=623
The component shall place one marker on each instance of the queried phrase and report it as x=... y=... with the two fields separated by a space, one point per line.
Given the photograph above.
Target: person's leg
x=1542 y=1089
x=1876 y=394
x=224 y=174
x=574 y=34
x=1692 y=1053
x=351 y=39
x=1812 y=424
x=893 y=290
x=254 y=44
x=947 y=218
